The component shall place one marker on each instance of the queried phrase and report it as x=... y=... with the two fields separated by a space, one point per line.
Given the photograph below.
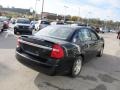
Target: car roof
x=72 y=27
x=23 y=18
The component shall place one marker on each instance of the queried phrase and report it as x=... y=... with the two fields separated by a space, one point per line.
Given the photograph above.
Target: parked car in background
x=33 y=24
x=59 y=49
x=4 y=21
x=105 y=31
x=23 y=26
x=97 y=29
x=57 y=23
x=41 y=24
x=13 y=20
x=113 y=31
x=1 y=26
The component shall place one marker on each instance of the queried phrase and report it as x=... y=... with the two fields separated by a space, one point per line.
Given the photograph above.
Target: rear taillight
x=18 y=42
x=57 y=52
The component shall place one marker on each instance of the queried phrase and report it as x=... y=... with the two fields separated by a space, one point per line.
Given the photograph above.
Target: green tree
x=75 y=18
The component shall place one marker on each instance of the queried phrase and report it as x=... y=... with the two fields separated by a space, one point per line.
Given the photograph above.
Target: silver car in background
x=41 y=24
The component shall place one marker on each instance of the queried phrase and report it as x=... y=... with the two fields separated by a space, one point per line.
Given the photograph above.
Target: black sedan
x=59 y=49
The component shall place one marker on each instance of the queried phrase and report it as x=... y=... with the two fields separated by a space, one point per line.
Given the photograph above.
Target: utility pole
x=35 y=10
x=89 y=13
x=78 y=15
x=65 y=12
x=42 y=9
x=107 y=23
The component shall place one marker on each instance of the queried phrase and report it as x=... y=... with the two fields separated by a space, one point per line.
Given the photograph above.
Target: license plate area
x=31 y=49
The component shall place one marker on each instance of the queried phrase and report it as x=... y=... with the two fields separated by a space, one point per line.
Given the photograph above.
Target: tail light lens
x=18 y=42
x=57 y=52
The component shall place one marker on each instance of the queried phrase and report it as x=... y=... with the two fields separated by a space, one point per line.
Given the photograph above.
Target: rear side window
x=85 y=35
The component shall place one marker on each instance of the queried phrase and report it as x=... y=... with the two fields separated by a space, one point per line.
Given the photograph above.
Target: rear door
x=83 y=39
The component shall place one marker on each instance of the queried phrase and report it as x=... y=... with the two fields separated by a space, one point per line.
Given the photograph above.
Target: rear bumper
x=36 y=65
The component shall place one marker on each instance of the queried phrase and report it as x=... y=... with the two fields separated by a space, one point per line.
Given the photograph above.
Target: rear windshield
x=55 y=32
x=23 y=21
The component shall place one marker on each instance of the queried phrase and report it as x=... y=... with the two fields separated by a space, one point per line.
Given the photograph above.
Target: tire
x=77 y=67
x=2 y=30
x=15 y=32
x=100 y=53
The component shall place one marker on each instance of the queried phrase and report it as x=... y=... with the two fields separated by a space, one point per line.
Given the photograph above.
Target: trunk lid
x=40 y=47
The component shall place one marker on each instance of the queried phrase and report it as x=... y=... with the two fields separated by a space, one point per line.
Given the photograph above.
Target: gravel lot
x=97 y=74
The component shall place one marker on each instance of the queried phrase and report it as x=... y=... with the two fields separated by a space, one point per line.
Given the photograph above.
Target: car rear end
x=5 y=24
x=43 y=53
x=4 y=21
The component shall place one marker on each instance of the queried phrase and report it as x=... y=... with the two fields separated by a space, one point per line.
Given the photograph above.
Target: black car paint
x=44 y=63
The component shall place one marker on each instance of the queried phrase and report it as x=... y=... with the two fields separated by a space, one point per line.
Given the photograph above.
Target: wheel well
x=103 y=45
x=82 y=56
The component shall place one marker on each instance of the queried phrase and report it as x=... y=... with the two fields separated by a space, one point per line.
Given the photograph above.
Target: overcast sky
x=103 y=9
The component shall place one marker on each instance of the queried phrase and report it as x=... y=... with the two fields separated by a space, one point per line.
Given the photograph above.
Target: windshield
x=45 y=22
x=56 y=32
x=3 y=19
x=23 y=21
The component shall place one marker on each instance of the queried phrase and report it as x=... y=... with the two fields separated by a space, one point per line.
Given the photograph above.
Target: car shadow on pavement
x=94 y=72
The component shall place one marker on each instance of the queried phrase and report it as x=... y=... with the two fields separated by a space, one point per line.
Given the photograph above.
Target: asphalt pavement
x=97 y=74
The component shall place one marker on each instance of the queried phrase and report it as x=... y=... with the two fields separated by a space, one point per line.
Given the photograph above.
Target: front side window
x=80 y=36
x=93 y=35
